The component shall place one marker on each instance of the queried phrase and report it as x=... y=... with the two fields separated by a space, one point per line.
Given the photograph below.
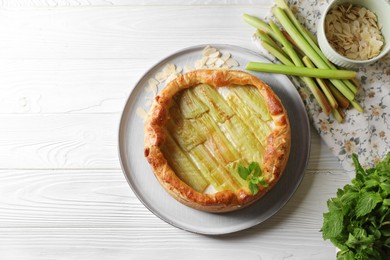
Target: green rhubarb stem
x=341 y=100
x=318 y=95
x=357 y=106
x=296 y=48
x=355 y=82
x=308 y=36
x=310 y=39
x=351 y=86
x=300 y=71
x=338 y=114
x=302 y=30
x=266 y=38
x=308 y=50
x=322 y=84
x=280 y=56
x=259 y=24
x=288 y=47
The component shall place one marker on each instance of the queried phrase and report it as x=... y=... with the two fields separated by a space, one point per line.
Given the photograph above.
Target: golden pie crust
x=276 y=152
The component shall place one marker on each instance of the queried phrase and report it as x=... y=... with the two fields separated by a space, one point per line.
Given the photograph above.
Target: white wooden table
x=66 y=70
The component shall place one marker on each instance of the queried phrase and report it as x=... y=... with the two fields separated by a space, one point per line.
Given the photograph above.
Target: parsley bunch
x=253 y=175
x=358 y=221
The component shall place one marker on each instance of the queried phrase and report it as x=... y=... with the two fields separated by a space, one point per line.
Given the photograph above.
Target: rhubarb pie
x=204 y=126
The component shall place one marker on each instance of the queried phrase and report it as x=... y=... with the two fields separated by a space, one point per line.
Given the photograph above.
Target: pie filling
x=210 y=132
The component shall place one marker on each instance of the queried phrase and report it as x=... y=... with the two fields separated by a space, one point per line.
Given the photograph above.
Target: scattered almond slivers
x=211 y=59
x=354 y=32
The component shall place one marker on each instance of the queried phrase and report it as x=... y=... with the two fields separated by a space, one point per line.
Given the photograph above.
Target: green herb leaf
x=359 y=169
x=252 y=166
x=358 y=221
x=252 y=175
x=346 y=255
x=371 y=184
x=333 y=224
x=243 y=172
x=262 y=181
x=257 y=170
x=253 y=188
x=386 y=230
x=366 y=203
x=385 y=187
x=254 y=180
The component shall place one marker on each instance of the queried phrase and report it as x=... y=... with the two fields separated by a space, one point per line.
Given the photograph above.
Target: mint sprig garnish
x=358 y=221
x=253 y=175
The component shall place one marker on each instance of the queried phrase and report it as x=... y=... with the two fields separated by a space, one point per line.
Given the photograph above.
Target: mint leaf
x=371 y=184
x=361 y=241
x=252 y=166
x=386 y=230
x=346 y=255
x=257 y=171
x=359 y=169
x=383 y=167
x=243 y=172
x=254 y=180
x=349 y=198
x=252 y=175
x=263 y=182
x=358 y=221
x=385 y=187
x=366 y=203
x=333 y=224
x=253 y=188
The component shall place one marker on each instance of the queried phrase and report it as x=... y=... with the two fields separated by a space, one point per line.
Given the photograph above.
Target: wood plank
x=67 y=67
x=103 y=199
x=68 y=86
x=58 y=141
x=83 y=33
x=69 y=198
x=165 y=244
x=107 y=3
x=320 y=154
x=81 y=213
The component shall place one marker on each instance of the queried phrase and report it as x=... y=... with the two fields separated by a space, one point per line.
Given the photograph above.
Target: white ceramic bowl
x=381 y=8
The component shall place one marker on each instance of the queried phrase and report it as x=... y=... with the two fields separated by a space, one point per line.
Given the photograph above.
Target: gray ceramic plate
x=141 y=178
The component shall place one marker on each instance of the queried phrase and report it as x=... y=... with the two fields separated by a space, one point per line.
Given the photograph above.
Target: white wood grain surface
x=66 y=70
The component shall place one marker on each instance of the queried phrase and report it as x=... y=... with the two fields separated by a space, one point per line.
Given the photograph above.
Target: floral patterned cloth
x=366 y=134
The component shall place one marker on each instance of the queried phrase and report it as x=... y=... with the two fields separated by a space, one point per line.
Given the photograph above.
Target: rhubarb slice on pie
x=206 y=124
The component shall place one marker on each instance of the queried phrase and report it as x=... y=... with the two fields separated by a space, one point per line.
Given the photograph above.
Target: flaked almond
x=354 y=32
x=141 y=113
x=231 y=63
